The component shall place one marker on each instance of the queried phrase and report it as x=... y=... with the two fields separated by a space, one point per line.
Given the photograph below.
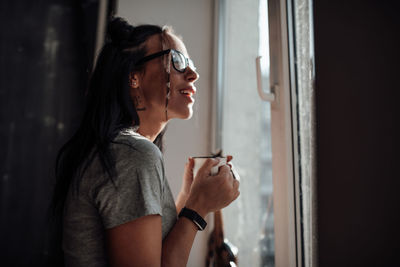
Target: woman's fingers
x=232 y=185
x=236 y=184
x=189 y=164
x=188 y=171
x=237 y=193
x=230 y=164
x=234 y=172
x=208 y=164
x=224 y=170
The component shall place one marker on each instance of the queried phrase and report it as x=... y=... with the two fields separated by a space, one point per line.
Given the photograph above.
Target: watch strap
x=194 y=217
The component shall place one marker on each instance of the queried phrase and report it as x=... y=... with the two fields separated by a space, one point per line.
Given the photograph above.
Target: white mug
x=199 y=162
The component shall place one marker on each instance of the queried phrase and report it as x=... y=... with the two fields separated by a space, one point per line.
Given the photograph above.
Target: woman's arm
x=136 y=243
x=186 y=184
x=139 y=242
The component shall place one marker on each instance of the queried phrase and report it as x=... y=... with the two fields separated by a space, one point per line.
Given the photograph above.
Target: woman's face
x=153 y=82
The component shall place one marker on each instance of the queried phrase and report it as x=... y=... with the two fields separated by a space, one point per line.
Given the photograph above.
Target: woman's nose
x=191 y=75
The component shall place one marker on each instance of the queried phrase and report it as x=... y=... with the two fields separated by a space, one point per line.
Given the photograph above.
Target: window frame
x=284 y=126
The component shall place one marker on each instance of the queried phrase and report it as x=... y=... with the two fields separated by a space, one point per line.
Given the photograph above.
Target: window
x=245 y=132
x=270 y=222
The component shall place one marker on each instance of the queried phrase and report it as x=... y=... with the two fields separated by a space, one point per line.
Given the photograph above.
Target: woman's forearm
x=178 y=243
x=207 y=193
x=180 y=201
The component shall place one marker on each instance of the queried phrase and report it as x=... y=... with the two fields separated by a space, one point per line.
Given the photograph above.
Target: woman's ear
x=136 y=92
x=134 y=80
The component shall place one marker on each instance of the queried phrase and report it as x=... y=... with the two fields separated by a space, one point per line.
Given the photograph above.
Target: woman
x=111 y=190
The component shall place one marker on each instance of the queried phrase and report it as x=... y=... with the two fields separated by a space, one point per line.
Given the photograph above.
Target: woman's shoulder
x=130 y=143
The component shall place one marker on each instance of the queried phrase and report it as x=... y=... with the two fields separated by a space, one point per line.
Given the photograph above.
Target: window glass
x=245 y=130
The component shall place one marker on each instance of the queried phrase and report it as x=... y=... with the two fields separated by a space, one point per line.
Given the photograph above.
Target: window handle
x=270 y=97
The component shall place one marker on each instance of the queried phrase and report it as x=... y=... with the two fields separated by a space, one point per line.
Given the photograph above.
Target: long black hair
x=109 y=107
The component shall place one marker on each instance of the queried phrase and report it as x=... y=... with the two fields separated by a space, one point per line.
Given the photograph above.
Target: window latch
x=272 y=95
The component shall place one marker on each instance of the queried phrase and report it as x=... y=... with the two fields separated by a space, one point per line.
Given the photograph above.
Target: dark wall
x=357 y=84
x=46 y=50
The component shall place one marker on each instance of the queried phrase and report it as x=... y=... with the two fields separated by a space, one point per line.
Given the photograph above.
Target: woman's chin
x=183 y=115
x=188 y=115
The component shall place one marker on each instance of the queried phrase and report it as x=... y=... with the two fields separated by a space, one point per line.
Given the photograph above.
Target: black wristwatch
x=194 y=217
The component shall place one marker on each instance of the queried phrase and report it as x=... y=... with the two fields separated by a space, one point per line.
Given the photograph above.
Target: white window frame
x=289 y=249
x=284 y=141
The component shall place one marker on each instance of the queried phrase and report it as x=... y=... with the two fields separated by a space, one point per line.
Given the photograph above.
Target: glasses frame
x=188 y=62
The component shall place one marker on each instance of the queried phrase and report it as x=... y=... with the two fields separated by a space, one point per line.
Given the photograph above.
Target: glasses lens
x=191 y=64
x=179 y=61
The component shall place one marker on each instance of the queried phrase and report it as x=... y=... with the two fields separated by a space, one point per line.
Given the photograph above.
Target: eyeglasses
x=179 y=61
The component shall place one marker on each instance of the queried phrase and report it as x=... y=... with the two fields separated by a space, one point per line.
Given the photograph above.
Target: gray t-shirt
x=140 y=188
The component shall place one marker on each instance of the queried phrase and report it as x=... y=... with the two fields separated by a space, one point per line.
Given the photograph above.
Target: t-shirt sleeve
x=136 y=190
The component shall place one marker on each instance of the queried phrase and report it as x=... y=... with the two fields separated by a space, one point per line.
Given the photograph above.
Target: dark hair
x=109 y=107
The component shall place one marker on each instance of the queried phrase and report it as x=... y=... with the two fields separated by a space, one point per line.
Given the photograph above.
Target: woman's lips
x=189 y=91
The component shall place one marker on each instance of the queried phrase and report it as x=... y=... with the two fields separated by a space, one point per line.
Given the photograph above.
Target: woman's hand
x=186 y=184
x=187 y=177
x=212 y=192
